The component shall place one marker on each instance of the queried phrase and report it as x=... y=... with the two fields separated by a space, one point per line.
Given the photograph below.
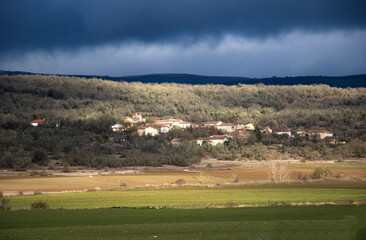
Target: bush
x=180 y=181
x=40 y=157
x=234 y=178
x=321 y=173
x=5 y=205
x=39 y=205
x=297 y=175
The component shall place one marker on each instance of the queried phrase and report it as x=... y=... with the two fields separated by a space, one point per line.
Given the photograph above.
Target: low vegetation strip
x=200 y=197
x=306 y=222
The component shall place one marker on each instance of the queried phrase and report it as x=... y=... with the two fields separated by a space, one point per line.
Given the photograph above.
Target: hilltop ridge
x=339 y=81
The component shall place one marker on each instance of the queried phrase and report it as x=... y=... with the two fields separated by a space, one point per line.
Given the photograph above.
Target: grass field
x=246 y=172
x=199 y=197
x=334 y=166
x=305 y=222
x=83 y=183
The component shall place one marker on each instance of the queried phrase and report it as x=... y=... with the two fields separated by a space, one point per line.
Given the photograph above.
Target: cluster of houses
x=228 y=130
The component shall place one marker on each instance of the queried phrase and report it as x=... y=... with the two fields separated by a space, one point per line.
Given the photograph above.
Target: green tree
x=40 y=157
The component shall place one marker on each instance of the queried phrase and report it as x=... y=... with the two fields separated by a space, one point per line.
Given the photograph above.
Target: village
x=225 y=130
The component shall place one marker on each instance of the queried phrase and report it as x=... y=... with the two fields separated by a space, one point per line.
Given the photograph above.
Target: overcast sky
x=257 y=38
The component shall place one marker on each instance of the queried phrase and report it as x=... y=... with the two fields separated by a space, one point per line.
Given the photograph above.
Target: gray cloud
x=293 y=53
x=58 y=24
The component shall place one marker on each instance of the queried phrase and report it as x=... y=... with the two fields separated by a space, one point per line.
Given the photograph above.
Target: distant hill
x=342 y=81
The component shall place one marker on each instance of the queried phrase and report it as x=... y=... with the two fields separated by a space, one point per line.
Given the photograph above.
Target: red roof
x=176 y=140
x=226 y=124
x=238 y=132
x=214 y=137
x=169 y=120
x=38 y=121
x=217 y=137
x=282 y=130
x=325 y=131
x=211 y=122
x=321 y=131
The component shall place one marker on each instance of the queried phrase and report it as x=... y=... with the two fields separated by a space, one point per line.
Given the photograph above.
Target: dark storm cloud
x=59 y=24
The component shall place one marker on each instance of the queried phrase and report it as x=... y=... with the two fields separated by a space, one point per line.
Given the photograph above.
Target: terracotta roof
x=325 y=131
x=176 y=140
x=211 y=122
x=214 y=137
x=169 y=120
x=282 y=130
x=217 y=137
x=242 y=131
x=158 y=124
x=226 y=124
x=38 y=121
x=320 y=131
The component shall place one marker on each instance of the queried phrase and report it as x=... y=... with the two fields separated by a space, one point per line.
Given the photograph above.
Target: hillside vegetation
x=88 y=107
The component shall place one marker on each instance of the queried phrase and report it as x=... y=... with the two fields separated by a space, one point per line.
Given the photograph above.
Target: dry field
x=208 y=172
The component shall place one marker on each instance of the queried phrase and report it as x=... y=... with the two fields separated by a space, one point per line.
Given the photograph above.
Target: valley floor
x=209 y=172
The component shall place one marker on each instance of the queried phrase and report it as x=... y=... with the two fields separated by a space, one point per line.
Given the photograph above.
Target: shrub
x=233 y=178
x=40 y=157
x=39 y=205
x=66 y=168
x=297 y=175
x=180 y=181
x=318 y=172
x=5 y=205
x=321 y=173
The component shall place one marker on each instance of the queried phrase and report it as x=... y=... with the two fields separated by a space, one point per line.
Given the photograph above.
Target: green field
x=200 y=197
x=305 y=222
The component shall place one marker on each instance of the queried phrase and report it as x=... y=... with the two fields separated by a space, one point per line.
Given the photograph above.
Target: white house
x=321 y=134
x=212 y=140
x=38 y=122
x=283 y=132
x=211 y=124
x=136 y=118
x=266 y=130
x=226 y=127
x=179 y=123
x=118 y=128
x=249 y=126
x=147 y=130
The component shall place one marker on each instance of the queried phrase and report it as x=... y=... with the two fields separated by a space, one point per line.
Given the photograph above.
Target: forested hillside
x=88 y=107
x=340 y=110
